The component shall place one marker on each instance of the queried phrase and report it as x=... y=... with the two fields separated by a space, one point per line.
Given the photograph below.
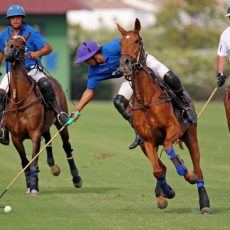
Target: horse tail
x=227 y=105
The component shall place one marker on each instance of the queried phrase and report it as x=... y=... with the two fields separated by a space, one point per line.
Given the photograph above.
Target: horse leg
x=54 y=168
x=77 y=181
x=191 y=142
x=161 y=199
x=171 y=136
x=36 y=139
x=162 y=190
x=18 y=144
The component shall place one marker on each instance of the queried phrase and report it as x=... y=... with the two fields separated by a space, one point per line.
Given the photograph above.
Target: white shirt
x=224 y=44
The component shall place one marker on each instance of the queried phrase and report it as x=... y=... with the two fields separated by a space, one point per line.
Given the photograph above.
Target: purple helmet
x=86 y=50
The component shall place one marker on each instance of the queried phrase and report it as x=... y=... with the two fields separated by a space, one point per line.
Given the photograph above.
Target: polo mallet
x=209 y=99
x=70 y=121
x=180 y=143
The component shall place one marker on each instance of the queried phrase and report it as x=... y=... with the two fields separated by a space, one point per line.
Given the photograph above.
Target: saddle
x=168 y=92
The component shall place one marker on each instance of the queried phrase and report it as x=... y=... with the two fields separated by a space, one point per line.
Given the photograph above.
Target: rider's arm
x=85 y=99
x=220 y=64
x=45 y=50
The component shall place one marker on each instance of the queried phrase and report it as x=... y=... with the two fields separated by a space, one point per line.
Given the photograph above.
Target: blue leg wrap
x=181 y=169
x=165 y=187
x=200 y=184
x=27 y=175
x=171 y=153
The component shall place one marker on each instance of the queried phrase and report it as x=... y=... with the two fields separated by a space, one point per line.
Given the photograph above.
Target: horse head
x=132 y=51
x=15 y=48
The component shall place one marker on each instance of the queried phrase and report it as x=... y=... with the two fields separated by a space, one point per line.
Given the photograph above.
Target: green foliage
x=189 y=49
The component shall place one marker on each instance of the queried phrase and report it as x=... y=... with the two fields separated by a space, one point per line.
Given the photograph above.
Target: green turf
x=118 y=188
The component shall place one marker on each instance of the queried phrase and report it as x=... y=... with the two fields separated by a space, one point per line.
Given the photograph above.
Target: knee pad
x=121 y=104
x=46 y=87
x=172 y=81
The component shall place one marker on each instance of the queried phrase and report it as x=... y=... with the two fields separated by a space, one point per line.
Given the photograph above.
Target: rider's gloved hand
x=117 y=73
x=220 y=79
x=75 y=115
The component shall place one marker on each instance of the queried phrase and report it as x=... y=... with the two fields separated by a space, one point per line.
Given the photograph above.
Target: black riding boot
x=121 y=104
x=4 y=133
x=49 y=94
x=174 y=83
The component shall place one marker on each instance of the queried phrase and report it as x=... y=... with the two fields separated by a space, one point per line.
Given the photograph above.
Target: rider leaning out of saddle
x=37 y=47
x=103 y=63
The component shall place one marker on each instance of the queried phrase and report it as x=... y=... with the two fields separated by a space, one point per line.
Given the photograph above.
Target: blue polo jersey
x=34 y=43
x=112 y=53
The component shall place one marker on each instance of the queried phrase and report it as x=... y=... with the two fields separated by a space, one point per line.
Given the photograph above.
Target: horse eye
x=137 y=41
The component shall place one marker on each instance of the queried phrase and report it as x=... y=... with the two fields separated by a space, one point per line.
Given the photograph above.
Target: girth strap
x=35 y=101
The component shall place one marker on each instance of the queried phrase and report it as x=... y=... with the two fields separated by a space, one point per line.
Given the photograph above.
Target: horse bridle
x=18 y=53
x=139 y=63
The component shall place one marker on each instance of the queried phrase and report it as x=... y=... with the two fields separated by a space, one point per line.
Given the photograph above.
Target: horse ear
x=27 y=36
x=137 y=25
x=123 y=31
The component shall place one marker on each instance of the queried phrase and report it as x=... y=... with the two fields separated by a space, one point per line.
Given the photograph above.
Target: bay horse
x=27 y=116
x=158 y=121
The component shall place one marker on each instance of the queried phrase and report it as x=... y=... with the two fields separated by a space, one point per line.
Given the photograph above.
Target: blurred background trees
x=185 y=38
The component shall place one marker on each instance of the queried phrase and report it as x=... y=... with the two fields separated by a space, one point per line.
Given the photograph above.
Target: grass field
x=118 y=186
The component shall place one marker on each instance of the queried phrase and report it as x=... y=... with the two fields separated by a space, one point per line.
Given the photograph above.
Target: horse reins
x=20 y=58
x=140 y=62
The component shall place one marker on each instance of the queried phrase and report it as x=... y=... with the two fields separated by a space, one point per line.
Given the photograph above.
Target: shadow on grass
x=83 y=190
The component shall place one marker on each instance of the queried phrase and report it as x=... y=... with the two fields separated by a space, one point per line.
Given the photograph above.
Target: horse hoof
x=34 y=192
x=55 y=170
x=77 y=182
x=191 y=178
x=206 y=211
x=162 y=202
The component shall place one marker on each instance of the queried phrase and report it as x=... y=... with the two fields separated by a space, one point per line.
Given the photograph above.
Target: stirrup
x=62 y=118
x=4 y=136
x=189 y=116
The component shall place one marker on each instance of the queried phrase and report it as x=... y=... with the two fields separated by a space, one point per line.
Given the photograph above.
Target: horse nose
x=127 y=61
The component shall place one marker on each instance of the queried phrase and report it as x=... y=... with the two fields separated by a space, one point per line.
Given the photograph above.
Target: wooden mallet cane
x=209 y=99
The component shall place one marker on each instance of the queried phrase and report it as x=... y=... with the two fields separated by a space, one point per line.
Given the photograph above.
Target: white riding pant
x=126 y=90
x=35 y=73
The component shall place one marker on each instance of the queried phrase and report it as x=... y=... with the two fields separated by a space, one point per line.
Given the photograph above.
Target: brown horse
x=227 y=104
x=28 y=117
x=158 y=122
